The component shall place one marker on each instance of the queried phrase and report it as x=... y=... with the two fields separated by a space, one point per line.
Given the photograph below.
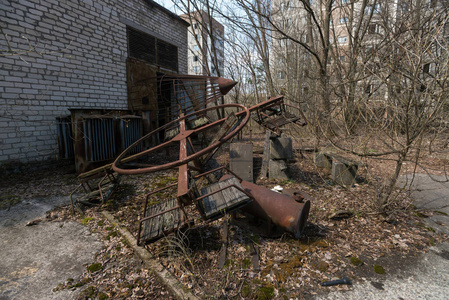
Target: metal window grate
x=150 y=49
x=141 y=45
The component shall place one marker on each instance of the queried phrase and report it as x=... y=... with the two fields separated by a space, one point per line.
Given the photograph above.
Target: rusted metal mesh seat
x=96 y=186
x=211 y=201
x=165 y=217
x=222 y=197
x=274 y=113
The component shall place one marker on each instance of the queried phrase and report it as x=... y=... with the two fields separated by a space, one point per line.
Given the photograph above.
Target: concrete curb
x=166 y=277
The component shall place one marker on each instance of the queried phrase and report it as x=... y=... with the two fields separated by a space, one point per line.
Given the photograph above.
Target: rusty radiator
x=99 y=139
x=99 y=135
x=130 y=131
x=65 y=137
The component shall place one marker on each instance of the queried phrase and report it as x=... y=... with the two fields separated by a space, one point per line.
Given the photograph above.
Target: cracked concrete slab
x=430 y=193
x=34 y=259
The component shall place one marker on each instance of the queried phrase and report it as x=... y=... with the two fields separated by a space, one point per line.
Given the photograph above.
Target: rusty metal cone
x=281 y=209
x=225 y=85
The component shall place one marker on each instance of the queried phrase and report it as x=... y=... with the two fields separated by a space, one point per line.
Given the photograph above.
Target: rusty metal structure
x=186 y=125
x=97 y=136
x=282 y=210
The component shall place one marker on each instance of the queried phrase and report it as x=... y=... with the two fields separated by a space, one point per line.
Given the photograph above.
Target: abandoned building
x=206 y=45
x=62 y=60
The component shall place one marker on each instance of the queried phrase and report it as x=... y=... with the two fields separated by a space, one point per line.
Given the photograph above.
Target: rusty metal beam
x=183 y=180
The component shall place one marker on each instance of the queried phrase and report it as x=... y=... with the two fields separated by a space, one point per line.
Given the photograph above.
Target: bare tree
x=246 y=18
x=382 y=71
x=405 y=90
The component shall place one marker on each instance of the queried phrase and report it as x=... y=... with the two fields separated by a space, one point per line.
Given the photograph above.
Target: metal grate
x=99 y=139
x=141 y=45
x=131 y=131
x=65 y=137
x=167 y=55
x=153 y=50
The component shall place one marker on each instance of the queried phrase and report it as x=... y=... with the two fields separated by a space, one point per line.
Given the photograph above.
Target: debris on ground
x=344 y=237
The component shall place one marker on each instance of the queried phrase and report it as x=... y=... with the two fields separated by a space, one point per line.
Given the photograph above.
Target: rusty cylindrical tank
x=281 y=209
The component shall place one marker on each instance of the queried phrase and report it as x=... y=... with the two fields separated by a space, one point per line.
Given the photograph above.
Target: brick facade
x=68 y=54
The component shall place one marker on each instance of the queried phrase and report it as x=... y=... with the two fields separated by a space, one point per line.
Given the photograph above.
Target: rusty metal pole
x=281 y=209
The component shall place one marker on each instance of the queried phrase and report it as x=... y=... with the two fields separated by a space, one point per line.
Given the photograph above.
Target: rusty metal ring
x=121 y=158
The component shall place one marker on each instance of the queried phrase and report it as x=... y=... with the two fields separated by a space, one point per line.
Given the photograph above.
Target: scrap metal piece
x=345 y=280
x=280 y=209
x=98 y=186
x=266 y=155
x=225 y=85
x=298 y=195
x=241 y=160
x=274 y=113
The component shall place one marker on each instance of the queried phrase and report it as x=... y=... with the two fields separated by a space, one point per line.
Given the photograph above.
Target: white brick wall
x=77 y=60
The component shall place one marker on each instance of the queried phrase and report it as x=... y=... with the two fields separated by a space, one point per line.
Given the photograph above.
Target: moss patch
x=379 y=269
x=83 y=281
x=265 y=292
x=94 y=267
x=7 y=201
x=102 y=296
x=431 y=229
x=111 y=234
x=246 y=290
x=421 y=215
x=322 y=266
x=440 y=212
x=246 y=263
x=356 y=261
x=88 y=293
x=86 y=220
x=322 y=244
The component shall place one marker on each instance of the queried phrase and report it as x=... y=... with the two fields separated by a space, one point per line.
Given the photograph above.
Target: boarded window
x=150 y=49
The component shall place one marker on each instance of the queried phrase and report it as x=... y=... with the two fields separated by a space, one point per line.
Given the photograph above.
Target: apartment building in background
x=205 y=44
x=356 y=32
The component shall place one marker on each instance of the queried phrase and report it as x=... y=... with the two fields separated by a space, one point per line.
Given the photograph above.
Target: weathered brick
x=83 y=64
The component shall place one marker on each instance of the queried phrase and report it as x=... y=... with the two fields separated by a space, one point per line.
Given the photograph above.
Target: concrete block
x=343 y=174
x=281 y=148
x=277 y=169
x=241 y=160
x=323 y=161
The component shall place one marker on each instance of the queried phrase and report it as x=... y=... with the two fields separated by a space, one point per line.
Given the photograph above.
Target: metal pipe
x=281 y=209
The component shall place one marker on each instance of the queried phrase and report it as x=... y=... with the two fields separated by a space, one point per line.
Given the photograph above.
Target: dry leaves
x=287 y=267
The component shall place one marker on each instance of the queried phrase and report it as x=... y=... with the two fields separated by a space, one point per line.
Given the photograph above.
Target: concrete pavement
x=34 y=259
x=428 y=276
x=430 y=193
